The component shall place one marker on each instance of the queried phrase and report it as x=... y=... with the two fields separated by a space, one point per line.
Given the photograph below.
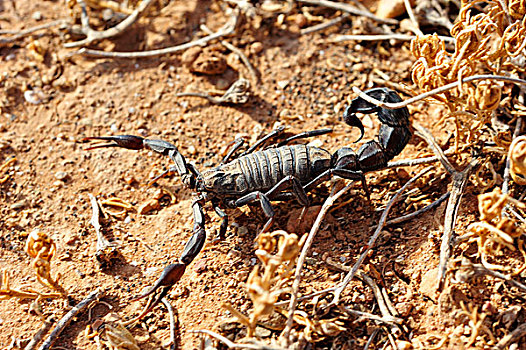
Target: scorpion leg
x=288 y=181
x=304 y=135
x=173 y=272
x=258 y=143
x=224 y=222
x=237 y=143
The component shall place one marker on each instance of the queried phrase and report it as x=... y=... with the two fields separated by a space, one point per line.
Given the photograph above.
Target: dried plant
x=6 y=292
x=495 y=230
x=277 y=252
x=488 y=41
x=109 y=332
x=42 y=248
x=517 y=156
x=476 y=323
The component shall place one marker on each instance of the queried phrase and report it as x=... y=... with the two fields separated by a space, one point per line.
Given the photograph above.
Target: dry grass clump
x=495 y=231
x=490 y=38
x=277 y=252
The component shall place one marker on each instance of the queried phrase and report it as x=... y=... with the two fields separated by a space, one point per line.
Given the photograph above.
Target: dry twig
x=48 y=323
x=65 y=321
x=172 y=322
x=512 y=338
x=306 y=246
x=457 y=190
x=340 y=288
x=25 y=32
x=324 y=25
x=238 y=52
x=232 y=345
x=349 y=9
x=93 y=35
x=105 y=249
x=390 y=105
x=225 y=30
x=379 y=37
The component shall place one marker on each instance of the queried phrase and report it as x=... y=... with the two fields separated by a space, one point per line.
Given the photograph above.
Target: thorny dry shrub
x=495 y=231
x=489 y=38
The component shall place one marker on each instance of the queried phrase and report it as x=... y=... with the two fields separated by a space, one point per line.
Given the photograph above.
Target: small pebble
x=32 y=97
x=37 y=15
x=107 y=14
x=114 y=127
x=283 y=84
x=222 y=84
x=18 y=205
x=61 y=175
x=256 y=48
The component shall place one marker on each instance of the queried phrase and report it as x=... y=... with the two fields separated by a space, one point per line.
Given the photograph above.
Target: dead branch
x=339 y=289
x=468 y=270
x=511 y=338
x=349 y=9
x=419 y=211
x=436 y=91
x=25 y=32
x=232 y=345
x=324 y=25
x=380 y=37
x=435 y=147
x=459 y=181
x=360 y=314
x=93 y=35
x=225 y=30
x=105 y=249
x=40 y=334
x=507 y=172
x=172 y=322
x=306 y=246
x=65 y=321
x=412 y=17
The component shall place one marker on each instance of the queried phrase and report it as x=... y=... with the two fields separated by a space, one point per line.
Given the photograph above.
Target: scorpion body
x=279 y=173
x=262 y=170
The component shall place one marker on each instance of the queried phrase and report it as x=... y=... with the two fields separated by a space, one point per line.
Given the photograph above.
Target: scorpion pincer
x=279 y=173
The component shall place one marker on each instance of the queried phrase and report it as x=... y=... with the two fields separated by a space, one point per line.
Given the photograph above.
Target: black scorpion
x=277 y=173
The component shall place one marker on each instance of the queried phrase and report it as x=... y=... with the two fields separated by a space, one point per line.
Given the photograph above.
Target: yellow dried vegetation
x=490 y=38
x=277 y=252
x=495 y=231
x=42 y=248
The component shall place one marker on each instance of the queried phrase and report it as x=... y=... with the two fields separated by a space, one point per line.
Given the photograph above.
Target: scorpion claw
x=124 y=141
x=170 y=276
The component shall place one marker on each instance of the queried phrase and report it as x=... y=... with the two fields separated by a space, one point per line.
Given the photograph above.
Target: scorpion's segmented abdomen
x=264 y=169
